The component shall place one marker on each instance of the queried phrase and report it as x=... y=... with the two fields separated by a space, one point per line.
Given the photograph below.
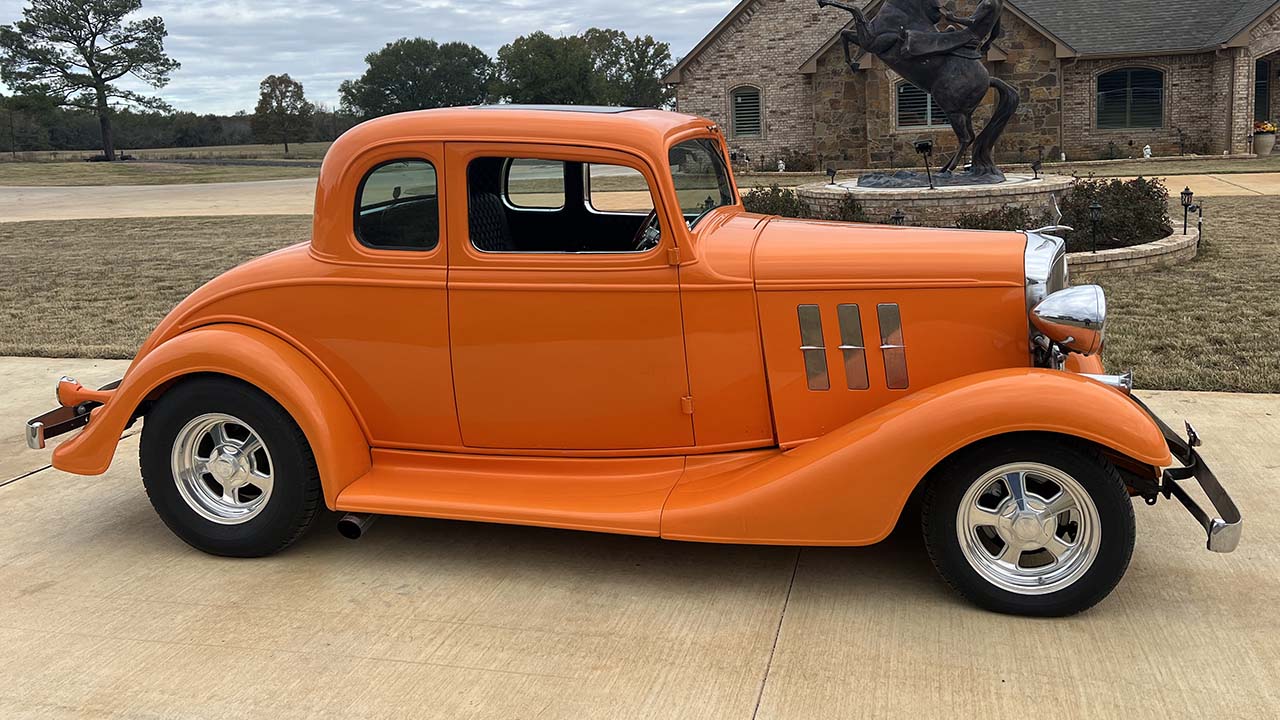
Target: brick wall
x=1192 y=91
x=765 y=48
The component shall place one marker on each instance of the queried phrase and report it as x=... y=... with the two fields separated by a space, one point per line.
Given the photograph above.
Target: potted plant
x=1264 y=137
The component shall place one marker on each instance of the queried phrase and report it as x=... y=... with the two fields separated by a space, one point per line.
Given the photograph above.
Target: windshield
x=701 y=178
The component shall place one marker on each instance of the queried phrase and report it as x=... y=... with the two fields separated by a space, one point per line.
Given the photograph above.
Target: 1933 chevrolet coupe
x=565 y=317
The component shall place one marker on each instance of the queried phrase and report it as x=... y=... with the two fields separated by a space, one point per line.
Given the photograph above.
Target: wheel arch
x=255 y=357
x=849 y=487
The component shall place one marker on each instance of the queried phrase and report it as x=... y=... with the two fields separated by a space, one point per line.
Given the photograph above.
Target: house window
x=1262 y=91
x=1131 y=98
x=748 y=112
x=916 y=109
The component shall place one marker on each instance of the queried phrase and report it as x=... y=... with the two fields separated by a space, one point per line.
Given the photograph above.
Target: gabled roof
x=1081 y=28
x=1145 y=27
x=674 y=76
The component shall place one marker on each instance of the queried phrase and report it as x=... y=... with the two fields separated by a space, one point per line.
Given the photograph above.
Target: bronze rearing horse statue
x=947 y=64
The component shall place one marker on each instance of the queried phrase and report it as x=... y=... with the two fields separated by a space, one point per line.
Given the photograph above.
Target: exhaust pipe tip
x=353 y=526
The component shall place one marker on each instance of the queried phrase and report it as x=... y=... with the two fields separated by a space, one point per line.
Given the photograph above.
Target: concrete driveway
x=104 y=613
x=265 y=197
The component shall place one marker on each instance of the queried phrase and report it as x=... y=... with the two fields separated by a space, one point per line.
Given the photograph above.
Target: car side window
x=398 y=207
x=535 y=184
x=538 y=205
x=617 y=189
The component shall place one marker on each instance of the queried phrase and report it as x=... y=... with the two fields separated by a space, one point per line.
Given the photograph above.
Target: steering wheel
x=648 y=234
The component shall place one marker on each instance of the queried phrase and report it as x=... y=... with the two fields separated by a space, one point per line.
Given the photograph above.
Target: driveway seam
x=25 y=475
x=764 y=681
x=1242 y=187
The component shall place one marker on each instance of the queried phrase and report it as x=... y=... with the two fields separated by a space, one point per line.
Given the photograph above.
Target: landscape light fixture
x=925 y=148
x=1036 y=167
x=831 y=173
x=1095 y=214
x=898 y=217
x=1188 y=202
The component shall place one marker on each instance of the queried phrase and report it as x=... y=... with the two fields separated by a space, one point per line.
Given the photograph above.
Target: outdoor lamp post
x=898 y=217
x=925 y=148
x=1188 y=198
x=1095 y=214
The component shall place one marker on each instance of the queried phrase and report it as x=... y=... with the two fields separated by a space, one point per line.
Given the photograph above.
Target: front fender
x=263 y=360
x=849 y=486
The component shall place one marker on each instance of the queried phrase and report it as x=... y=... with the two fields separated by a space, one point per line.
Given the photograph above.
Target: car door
x=563 y=336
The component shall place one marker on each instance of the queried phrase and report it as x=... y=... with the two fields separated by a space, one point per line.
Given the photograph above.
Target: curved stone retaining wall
x=1175 y=249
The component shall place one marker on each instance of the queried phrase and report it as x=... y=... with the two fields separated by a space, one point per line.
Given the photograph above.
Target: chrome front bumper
x=1224 y=530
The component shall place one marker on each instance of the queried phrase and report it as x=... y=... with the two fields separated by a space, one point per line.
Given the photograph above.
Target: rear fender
x=258 y=358
x=849 y=486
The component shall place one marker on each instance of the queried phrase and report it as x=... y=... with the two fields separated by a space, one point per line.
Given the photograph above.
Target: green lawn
x=62 y=174
x=95 y=288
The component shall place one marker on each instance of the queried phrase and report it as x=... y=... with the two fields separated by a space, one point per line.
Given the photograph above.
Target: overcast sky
x=226 y=47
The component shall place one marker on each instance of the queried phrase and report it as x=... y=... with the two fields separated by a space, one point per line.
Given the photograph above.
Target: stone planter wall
x=1175 y=249
x=941 y=207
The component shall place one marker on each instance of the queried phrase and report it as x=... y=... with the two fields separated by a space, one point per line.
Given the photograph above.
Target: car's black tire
x=945 y=533
x=290 y=506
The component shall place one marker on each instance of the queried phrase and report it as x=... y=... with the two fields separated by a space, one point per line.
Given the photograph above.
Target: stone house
x=1098 y=79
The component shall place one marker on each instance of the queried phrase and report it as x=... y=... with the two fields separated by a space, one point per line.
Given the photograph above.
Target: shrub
x=850 y=210
x=1133 y=212
x=1003 y=218
x=775 y=200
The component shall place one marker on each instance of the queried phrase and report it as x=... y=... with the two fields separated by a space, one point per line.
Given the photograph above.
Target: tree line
x=63 y=59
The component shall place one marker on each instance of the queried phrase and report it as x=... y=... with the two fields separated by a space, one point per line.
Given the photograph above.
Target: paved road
x=296 y=197
x=267 y=197
x=103 y=612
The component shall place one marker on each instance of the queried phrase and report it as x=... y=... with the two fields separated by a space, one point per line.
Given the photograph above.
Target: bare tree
x=74 y=51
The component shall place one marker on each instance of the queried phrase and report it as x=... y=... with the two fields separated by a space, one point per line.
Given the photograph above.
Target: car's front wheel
x=227 y=469
x=1030 y=525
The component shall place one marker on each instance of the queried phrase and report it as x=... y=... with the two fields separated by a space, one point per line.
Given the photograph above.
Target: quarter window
x=748 y=112
x=617 y=189
x=916 y=108
x=535 y=184
x=398 y=207
x=1131 y=98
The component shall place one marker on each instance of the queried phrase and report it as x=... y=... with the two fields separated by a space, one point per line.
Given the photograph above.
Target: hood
x=810 y=254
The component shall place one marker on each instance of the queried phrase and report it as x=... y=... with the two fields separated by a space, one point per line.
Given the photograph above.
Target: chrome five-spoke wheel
x=1029 y=524
x=222 y=468
x=1028 y=528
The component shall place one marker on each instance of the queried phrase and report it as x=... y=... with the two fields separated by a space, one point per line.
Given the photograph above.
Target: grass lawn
x=62 y=174
x=1210 y=324
x=95 y=288
x=297 y=151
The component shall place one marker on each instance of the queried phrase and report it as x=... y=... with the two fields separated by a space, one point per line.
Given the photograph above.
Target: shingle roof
x=1132 y=27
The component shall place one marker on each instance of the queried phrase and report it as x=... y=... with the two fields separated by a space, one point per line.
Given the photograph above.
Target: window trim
x=506 y=187
x=469 y=244
x=733 y=116
x=1164 y=98
x=929 y=110
x=359 y=197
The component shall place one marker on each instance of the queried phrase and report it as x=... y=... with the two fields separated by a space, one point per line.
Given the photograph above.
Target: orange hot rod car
x=565 y=317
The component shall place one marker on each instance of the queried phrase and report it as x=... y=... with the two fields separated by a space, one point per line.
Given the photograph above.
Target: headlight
x=1046 y=265
x=1075 y=318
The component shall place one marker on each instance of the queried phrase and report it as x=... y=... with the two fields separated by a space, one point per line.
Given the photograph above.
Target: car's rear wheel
x=227 y=469
x=1030 y=525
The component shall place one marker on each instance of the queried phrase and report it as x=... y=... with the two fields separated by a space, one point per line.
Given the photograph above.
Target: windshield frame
x=727 y=186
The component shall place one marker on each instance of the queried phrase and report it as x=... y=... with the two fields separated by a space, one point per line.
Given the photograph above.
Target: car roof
x=645 y=130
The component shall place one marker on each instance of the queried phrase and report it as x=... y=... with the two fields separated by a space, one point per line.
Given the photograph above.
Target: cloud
x=226 y=47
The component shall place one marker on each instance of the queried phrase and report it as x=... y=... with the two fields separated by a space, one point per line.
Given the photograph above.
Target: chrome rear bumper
x=62 y=420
